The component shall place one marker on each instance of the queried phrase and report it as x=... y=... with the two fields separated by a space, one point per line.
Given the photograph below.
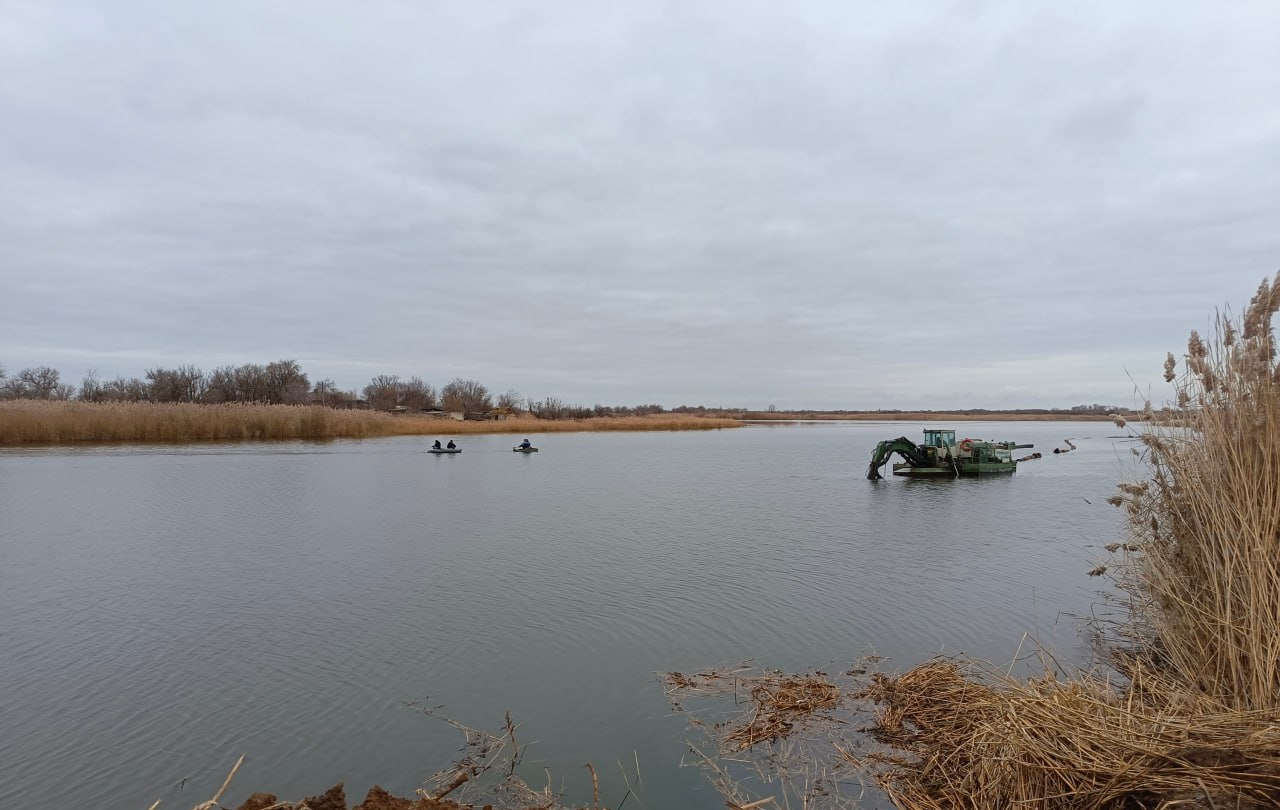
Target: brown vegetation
x=53 y=422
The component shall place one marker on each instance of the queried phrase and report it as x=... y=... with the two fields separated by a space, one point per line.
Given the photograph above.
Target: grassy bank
x=36 y=422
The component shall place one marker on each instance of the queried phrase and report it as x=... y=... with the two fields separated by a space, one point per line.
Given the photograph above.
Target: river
x=164 y=609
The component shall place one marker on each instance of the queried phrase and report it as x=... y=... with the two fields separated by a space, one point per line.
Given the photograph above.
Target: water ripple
x=163 y=610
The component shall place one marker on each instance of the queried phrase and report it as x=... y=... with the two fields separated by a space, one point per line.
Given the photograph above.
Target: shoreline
x=35 y=422
x=926 y=416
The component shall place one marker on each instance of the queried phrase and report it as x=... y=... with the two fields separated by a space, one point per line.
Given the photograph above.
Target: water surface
x=165 y=609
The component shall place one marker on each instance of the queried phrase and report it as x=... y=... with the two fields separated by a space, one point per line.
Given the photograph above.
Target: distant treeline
x=283 y=382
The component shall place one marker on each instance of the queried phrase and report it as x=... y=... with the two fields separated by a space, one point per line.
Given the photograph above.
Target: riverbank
x=920 y=416
x=47 y=422
x=43 y=422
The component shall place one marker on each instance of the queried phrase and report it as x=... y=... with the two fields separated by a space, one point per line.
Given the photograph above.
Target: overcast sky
x=840 y=204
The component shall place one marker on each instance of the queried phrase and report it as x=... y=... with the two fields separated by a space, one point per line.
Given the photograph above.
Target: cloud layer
x=837 y=205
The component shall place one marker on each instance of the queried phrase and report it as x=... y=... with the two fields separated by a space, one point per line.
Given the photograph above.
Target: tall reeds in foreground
x=43 y=422
x=1205 y=579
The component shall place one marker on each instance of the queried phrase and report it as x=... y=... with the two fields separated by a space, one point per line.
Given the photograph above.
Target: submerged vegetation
x=1183 y=707
x=35 y=422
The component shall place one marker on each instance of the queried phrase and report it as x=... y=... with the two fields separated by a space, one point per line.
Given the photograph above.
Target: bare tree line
x=283 y=382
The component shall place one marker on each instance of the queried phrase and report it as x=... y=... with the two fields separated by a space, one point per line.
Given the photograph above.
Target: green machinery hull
x=990 y=468
x=941 y=456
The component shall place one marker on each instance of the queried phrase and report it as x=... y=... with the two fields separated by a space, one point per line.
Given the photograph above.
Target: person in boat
x=436 y=446
x=451 y=445
x=525 y=445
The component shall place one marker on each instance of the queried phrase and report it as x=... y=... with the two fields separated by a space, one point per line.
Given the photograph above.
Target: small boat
x=444 y=451
x=942 y=456
x=524 y=449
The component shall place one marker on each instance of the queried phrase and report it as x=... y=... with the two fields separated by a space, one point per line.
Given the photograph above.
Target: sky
x=809 y=205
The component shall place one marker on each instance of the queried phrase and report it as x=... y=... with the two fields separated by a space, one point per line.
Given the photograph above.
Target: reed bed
x=965 y=739
x=1203 y=586
x=41 y=422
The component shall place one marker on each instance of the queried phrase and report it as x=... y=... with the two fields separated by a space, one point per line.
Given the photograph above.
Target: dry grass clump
x=779 y=701
x=44 y=422
x=963 y=740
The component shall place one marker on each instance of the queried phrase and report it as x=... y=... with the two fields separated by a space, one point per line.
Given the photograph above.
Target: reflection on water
x=164 y=609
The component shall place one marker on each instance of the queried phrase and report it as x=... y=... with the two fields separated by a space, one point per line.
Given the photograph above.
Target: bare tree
x=465 y=395
x=124 y=390
x=325 y=392
x=252 y=384
x=91 y=387
x=38 y=382
x=286 y=383
x=221 y=386
x=511 y=399
x=383 y=392
x=549 y=408
x=181 y=384
x=417 y=395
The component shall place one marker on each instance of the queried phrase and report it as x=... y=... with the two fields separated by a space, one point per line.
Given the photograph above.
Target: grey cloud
x=840 y=205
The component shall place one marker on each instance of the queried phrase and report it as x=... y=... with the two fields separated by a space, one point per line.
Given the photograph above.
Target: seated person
x=436 y=446
x=451 y=445
x=525 y=444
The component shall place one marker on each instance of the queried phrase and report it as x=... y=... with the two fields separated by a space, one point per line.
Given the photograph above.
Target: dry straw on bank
x=38 y=422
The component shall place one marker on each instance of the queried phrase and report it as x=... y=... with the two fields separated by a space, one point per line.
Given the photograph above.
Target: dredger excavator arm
x=903 y=447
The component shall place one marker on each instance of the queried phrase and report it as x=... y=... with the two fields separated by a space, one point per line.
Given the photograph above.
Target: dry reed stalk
x=1204 y=589
x=965 y=740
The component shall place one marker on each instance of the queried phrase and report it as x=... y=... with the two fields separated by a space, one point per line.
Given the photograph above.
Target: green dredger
x=940 y=455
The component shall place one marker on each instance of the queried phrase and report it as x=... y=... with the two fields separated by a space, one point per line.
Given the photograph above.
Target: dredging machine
x=941 y=455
